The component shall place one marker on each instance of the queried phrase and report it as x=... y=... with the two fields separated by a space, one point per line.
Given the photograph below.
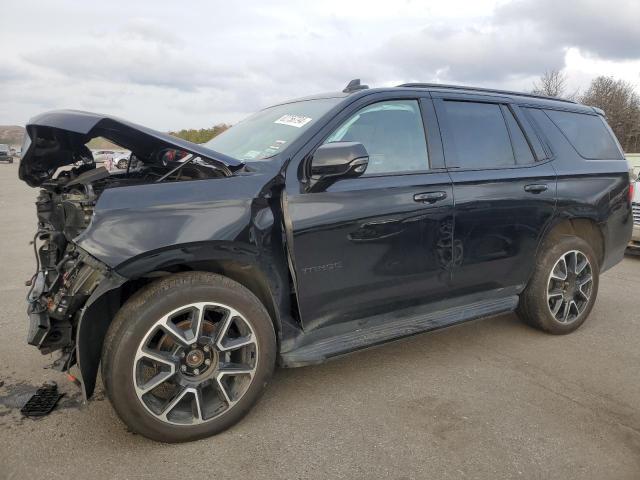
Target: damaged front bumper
x=56 y=298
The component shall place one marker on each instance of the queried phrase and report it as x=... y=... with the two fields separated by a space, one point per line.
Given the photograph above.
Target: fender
x=232 y=227
x=263 y=273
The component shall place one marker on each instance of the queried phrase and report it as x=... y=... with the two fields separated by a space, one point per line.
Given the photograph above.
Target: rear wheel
x=122 y=164
x=188 y=356
x=564 y=286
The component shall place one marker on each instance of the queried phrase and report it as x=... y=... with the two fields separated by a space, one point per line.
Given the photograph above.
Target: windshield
x=268 y=132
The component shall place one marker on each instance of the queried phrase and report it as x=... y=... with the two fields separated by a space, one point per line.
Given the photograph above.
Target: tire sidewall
x=120 y=388
x=537 y=294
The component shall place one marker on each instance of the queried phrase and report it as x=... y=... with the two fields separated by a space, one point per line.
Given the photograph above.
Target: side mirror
x=339 y=159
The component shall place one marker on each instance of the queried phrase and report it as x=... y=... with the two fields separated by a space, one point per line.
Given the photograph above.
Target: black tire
x=535 y=306
x=122 y=164
x=130 y=328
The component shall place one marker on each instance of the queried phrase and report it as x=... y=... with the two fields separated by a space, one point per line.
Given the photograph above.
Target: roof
x=520 y=97
x=441 y=86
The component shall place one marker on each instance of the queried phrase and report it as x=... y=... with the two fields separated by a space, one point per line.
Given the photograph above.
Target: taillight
x=632 y=186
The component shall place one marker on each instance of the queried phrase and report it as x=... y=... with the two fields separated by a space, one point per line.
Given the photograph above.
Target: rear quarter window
x=588 y=134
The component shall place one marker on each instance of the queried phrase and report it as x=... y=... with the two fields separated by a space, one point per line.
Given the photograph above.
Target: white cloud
x=178 y=65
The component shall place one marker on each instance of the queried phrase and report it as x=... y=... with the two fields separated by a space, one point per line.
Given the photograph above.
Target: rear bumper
x=617 y=234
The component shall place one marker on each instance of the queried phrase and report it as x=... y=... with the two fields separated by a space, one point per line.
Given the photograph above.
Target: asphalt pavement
x=490 y=399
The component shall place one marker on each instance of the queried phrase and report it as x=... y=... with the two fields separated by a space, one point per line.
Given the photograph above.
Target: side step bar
x=382 y=328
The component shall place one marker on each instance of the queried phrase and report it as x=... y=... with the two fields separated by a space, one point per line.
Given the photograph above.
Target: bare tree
x=621 y=104
x=551 y=83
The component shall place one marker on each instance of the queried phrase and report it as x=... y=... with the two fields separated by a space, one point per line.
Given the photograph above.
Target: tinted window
x=479 y=135
x=587 y=133
x=393 y=134
x=520 y=146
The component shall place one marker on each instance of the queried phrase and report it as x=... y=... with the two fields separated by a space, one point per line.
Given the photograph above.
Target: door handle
x=536 y=188
x=429 y=197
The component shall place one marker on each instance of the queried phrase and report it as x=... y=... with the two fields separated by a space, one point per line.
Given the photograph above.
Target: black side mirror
x=339 y=160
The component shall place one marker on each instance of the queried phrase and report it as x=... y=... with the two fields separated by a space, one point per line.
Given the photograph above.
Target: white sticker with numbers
x=293 y=120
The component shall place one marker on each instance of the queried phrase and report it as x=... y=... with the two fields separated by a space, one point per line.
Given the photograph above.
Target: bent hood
x=55 y=139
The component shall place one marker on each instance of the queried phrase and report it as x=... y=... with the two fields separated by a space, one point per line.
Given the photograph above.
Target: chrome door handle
x=429 y=197
x=536 y=188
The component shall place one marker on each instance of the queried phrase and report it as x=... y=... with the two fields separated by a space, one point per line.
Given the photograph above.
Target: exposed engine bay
x=65 y=203
x=66 y=275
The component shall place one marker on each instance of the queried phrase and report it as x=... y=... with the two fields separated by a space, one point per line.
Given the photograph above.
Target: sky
x=193 y=64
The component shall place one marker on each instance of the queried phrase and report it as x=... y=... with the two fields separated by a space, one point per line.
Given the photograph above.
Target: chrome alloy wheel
x=195 y=363
x=570 y=286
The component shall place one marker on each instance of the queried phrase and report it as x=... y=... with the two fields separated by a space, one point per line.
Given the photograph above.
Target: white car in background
x=102 y=156
x=120 y=160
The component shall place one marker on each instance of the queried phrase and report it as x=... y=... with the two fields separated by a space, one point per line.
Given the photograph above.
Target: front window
x=270 y=131
x=393 y=134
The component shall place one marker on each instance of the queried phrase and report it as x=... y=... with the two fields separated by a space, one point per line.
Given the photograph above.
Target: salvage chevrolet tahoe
x=312 y=229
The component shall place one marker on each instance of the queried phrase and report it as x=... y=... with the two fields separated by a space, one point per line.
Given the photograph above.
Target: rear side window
x=587 y=133
x=520 y=145
x=479 y=135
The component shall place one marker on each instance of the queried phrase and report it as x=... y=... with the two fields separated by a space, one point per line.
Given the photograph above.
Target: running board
x=383 y=328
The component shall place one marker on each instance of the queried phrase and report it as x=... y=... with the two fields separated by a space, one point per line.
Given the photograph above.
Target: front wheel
x=188 y=356
x=564 y=286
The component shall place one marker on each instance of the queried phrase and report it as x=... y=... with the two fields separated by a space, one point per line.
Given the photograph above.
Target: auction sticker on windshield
x=293 y=120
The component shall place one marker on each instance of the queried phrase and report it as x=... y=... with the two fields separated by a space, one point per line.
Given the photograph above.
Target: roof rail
x=479 y=89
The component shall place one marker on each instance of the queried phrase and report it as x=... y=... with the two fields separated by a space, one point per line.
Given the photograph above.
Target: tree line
x=201 y=135
x=618 y=99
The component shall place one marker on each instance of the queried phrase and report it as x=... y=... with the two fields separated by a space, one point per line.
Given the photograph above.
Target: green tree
x=201 y=135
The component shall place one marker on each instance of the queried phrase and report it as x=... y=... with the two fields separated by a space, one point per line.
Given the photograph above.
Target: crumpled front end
x=58 y=293
x=66 y=275
x=57 y=160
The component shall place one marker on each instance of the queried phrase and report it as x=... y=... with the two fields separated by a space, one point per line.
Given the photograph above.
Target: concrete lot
x=491 y=399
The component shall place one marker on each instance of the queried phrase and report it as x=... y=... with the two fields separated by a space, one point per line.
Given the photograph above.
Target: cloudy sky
x=192 y=64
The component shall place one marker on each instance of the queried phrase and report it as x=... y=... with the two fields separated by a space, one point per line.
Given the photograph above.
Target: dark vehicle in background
x=312 y=229
x=5 y=153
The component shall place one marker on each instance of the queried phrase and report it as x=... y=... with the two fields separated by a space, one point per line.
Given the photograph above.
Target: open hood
x=57 y=138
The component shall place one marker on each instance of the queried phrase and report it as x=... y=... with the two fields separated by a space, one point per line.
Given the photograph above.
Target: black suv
x=312 y=229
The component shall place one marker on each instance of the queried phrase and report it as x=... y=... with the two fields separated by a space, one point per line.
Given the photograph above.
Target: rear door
x=504 y=189
x=382 y=241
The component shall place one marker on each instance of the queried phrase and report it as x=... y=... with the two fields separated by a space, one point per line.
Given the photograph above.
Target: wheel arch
x=265 y=276
x=586 y=228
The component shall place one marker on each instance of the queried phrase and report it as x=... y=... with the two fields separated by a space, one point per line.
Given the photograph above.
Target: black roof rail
x=479 y=89
x=354 y=86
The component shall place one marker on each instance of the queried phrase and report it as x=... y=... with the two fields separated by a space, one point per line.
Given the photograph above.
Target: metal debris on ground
x=42 y=402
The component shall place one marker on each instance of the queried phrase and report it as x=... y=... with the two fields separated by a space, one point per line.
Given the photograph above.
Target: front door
x=382 y=241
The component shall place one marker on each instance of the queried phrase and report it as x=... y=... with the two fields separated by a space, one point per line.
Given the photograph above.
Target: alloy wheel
x=195 y=363
x=570 y=286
